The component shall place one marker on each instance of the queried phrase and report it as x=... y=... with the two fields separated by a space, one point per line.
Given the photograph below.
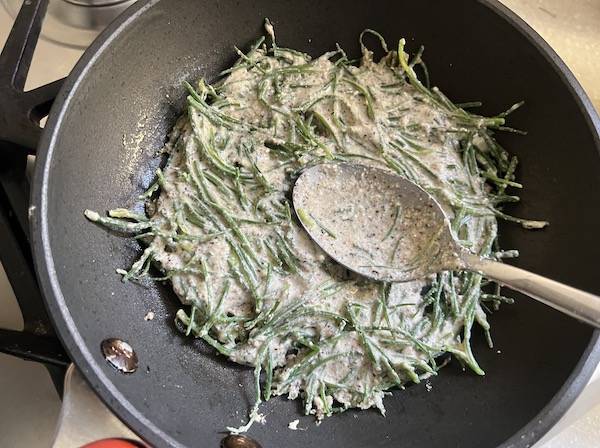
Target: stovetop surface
x=29 y=404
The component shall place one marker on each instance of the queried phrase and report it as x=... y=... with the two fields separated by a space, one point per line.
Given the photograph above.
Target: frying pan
x=98 y=151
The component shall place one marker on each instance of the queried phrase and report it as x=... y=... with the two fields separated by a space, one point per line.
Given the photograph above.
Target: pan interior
x=100 y=153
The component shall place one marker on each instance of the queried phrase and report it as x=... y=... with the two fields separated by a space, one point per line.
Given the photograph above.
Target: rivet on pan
x=120 y=355
x=237 y=441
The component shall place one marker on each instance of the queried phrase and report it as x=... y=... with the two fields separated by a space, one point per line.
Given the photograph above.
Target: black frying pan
x=128 y=88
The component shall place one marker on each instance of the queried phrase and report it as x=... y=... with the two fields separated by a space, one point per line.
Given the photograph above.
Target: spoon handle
x=574 y=302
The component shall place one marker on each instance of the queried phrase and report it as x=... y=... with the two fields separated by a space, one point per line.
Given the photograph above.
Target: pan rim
x=73 y=341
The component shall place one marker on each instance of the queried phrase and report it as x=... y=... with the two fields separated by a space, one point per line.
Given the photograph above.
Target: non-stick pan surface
x=98 y=152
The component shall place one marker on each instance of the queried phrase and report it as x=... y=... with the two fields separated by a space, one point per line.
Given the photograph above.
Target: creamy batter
x=220 y=225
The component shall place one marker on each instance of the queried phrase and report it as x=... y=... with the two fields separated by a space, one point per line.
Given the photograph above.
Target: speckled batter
x=255 y=286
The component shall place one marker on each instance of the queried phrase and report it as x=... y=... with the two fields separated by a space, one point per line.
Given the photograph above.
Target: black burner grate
x=20 y=115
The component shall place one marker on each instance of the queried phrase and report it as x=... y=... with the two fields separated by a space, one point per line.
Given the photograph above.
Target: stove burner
x=75 y=23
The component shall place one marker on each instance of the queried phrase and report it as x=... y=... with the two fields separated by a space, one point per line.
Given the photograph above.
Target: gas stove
x=30 y=77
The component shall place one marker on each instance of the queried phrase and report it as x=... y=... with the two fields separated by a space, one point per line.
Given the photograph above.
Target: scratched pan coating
x=98 y=152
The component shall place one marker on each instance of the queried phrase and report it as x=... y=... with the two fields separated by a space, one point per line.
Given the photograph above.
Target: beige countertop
x=572 y=28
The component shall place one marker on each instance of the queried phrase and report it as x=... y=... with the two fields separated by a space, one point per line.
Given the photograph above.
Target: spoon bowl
x=375 y=223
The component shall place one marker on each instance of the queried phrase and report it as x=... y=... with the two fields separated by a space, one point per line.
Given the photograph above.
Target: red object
x=112 y=443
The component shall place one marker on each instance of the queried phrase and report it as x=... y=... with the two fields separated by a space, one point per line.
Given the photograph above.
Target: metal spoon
x=386 y=228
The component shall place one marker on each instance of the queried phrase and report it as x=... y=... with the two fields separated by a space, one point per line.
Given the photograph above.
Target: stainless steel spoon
x=386 y=228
